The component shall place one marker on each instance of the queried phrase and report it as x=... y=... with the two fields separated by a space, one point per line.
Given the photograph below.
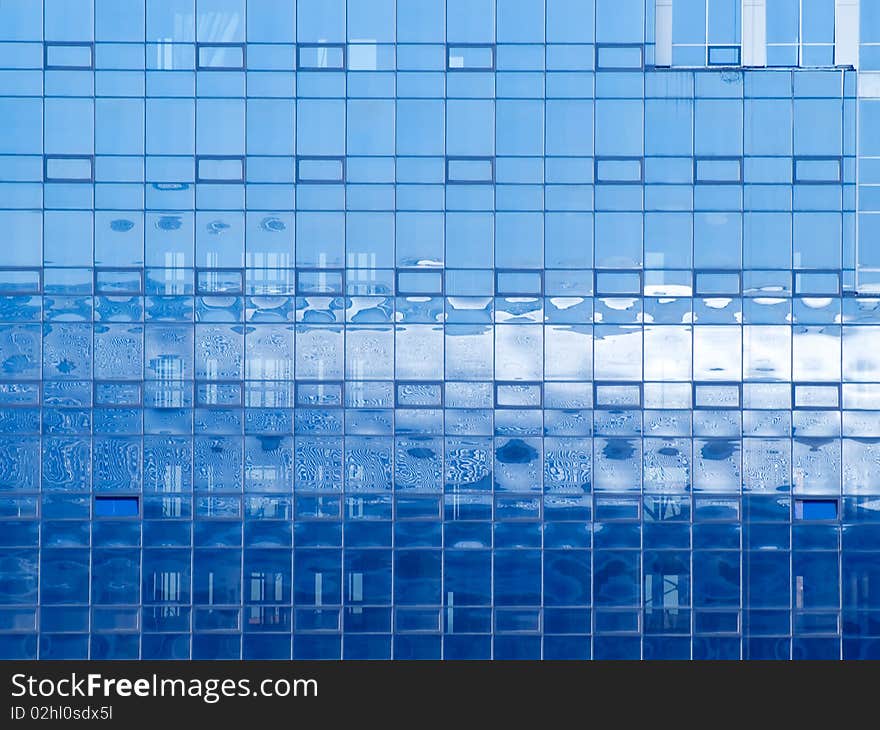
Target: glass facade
x=439 y=329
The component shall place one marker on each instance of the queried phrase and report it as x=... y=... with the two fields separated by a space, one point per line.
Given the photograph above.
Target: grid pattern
x=436 y=329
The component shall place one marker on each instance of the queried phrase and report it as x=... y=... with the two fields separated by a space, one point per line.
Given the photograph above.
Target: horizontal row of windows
x=554 y=86
x=808 y=509
x=810 y=431
x=70 y=55
x=462 y=169
x=421 y=394
x=405 y=281
x=356 y=56
x=386 y=57
x=123 y=617
x=424 y=538
x=573 y=439
x=457 y=646
x=650 y=508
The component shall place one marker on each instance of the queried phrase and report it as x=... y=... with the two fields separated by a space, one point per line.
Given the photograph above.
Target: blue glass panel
x=451 y=329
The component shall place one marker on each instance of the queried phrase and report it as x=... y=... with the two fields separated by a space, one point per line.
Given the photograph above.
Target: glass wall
x=434 y=329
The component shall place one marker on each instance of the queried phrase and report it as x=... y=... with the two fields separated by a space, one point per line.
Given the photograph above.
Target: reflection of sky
x=215 y=26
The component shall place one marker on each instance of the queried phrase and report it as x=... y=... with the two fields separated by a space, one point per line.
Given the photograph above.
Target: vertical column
x=868 y=216
x=855 y=42
x=754 y=33
x=663 y=33
x=846 y=33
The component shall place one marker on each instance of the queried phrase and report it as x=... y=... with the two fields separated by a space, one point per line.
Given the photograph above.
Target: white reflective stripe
x=754 y=33
x=869 y=84
x=846 y=32
x=663 y=33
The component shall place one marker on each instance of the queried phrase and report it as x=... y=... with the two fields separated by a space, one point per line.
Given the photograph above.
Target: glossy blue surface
x=436 y=329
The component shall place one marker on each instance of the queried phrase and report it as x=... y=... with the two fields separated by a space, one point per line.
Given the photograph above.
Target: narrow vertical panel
x=754 y=35
x=846 y=33
x=663 y=33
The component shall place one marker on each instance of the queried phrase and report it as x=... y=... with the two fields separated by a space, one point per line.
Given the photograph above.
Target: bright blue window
x=816 y=509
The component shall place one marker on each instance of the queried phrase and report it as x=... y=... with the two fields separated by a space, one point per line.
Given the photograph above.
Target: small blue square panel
x=116 y=506
x=816 y=509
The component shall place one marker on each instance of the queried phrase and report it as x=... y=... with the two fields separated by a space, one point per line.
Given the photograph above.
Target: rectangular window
x=617 y=395
x=220 y=57
x=717 y=283
x=619 y=170
x=20 y=281
x=69 y=168
x=329 y=282
x=518 y=395
x=366 y=282
x=718 y=170
x=118 y=281
x=468 y=282
x=817 y=170
x=117 y=506
x=716 y=395
x=817 y=283
x=617 y=508
x=817 y=396
x=324 y=394
x=419 y=395
x=470 y=57
x=620 y=57
x=724 y=55
x=320 y=170
x=470 y=170
x=425 y=283
x=815 y=509
x=216 y=393
x=69 y=56
x=615 y=283
x=217 y=169
x=219 y=281
x=117 y=394
x=321 y=57
x=716 y=509
x=518 y=283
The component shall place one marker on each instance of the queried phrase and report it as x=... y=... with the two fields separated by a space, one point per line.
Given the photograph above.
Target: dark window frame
x=47 y=45
x=506 y=383
x=451 y=159
x=117 y=498
x=710 y=181
x=406 y=406
x=47 y=159
x=724 y=47
x=321 y=69
x=513 y=292
x=200 y=67
x=598 y=160
x=202 y=180
x=301 y=180
x=817 y=158
x=400 y=291
x=480 y=69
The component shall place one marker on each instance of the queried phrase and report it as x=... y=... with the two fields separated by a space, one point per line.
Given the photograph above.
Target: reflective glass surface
x=437 y=329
